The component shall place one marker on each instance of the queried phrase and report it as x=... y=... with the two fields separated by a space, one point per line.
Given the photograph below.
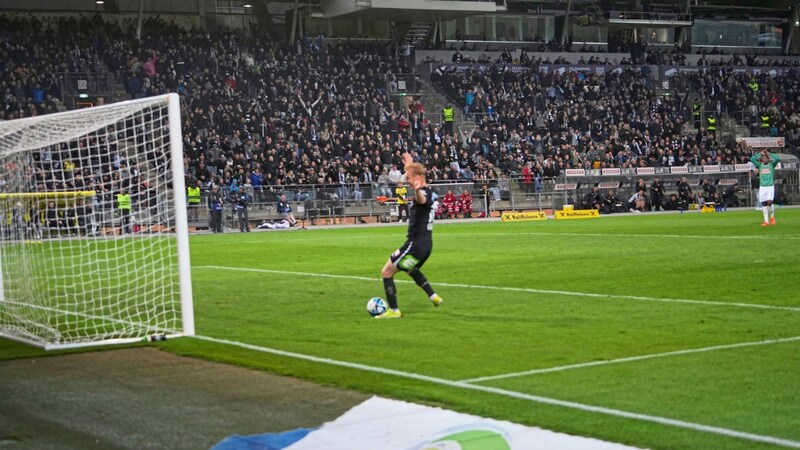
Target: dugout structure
x=573 y=185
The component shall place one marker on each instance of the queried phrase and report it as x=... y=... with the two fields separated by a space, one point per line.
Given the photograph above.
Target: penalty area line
x=514 y=289
x=518 y=395
x=631 y=358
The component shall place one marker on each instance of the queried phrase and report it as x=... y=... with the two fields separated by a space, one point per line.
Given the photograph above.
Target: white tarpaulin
x=383 y=424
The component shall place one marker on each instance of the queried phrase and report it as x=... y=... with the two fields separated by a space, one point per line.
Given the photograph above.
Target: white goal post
x=94 y=245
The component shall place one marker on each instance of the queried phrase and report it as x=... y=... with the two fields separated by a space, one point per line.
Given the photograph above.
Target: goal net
x=93 y=235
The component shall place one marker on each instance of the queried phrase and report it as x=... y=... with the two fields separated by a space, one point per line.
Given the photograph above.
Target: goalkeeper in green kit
x=765 y=162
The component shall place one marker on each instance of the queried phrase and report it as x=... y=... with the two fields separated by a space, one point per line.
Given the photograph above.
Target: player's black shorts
x=412 y=255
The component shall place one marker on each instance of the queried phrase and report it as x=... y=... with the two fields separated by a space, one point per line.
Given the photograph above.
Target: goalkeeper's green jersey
x=766 y=172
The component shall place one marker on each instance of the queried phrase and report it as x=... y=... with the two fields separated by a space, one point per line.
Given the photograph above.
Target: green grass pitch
x=658 y=330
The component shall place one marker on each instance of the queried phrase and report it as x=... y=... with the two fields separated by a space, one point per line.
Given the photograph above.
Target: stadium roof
x=419 y=10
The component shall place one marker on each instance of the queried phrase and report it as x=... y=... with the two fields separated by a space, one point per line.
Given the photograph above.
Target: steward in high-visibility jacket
x=193 y=199
x=712 y=124
x=765 y=122
x=448 y=114
x=696 y=109
x=400 y=193
x=124 y=207
x=193 y=195
x=124 y=201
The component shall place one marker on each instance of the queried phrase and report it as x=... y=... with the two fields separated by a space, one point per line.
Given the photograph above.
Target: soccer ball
x=376 y=306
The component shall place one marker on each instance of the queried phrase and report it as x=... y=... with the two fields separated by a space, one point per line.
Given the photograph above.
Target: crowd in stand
x=267 y=114
x=33 y=54
x=584 y=120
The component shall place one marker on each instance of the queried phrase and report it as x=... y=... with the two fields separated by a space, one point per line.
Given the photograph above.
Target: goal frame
x=181 y=229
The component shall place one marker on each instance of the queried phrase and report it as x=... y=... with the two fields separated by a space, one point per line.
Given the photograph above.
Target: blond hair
x=415 y=169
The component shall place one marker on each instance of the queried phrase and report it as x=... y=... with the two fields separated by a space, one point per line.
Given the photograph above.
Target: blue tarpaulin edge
x=272 y=441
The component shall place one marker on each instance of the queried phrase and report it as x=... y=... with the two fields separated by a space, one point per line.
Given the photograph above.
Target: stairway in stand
x=417 y=33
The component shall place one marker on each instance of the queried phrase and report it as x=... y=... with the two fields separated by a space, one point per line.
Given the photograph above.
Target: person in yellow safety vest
x=193 y=199
x=448 y=113
x=696 y=109
x=401 y=192
x=753 y=85
x=711 y=126
x=124 y=207
x=764 y=123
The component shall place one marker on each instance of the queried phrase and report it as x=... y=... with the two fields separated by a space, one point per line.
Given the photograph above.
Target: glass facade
x=500 y=27
x=344 y=28
x=589 y=35
x=658 y=35
x=736 y=34
x=521 y=28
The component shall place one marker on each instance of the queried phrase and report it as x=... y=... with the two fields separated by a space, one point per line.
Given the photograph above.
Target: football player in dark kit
x=419 y=242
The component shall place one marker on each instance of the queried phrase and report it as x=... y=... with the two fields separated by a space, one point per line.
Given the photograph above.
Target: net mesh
x=88 y=226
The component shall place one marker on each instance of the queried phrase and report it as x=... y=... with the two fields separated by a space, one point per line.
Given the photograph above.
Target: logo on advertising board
x=577 y=214
x=679 y=169
x=742 y=167
x=714 y=168
x=612 y=171
x=645 y=170
x=565 y=186
x=522 y=216
x=575 y=172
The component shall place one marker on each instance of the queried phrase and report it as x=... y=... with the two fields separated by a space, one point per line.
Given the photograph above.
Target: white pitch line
x=513 y=289
x=519 y=395
x=609 y=235
x=629 y=359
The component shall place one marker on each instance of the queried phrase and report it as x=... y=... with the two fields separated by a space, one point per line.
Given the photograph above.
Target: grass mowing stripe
x=632 y=358
x=513 y=289
x=518 y=395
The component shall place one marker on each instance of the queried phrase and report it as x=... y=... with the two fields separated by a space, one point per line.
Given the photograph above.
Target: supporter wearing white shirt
x=395 y=175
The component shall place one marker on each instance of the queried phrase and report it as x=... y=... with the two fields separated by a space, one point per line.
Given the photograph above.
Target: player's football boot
x=436 y=300
x=765 y=224
x=390 y=314
x=772 y=221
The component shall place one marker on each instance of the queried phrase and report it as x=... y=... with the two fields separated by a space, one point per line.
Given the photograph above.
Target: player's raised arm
x=773 y=158
x=407 y=160
x=415 y=176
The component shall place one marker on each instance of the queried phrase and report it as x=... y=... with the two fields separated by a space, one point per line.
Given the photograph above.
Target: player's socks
x=421 y=281
x=391 y=292
x=765 y=211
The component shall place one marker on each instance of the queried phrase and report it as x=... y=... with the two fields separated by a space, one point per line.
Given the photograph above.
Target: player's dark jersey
x=420 y=221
